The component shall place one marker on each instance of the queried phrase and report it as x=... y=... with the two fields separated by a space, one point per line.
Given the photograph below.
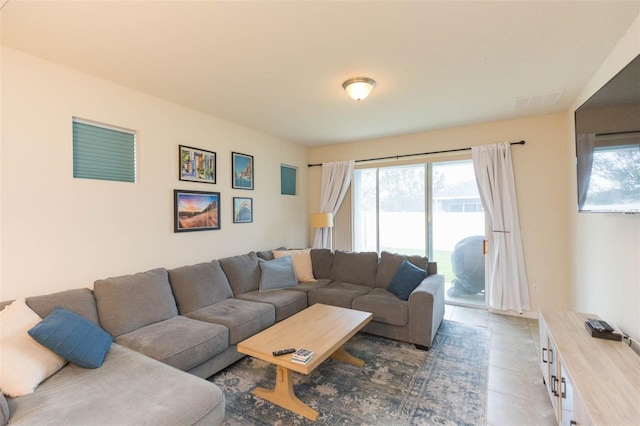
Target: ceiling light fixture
x=359 y=88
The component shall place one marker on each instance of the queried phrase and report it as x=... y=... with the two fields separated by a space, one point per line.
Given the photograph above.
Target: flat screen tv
x=608 y=145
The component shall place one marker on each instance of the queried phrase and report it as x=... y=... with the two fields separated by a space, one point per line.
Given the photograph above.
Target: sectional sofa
x=190 y=319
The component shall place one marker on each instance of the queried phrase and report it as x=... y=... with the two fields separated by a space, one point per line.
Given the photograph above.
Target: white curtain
x=508 y=288
x=336 y=178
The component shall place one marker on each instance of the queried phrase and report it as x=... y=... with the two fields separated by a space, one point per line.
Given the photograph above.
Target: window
x=103 y=152
x=288 y=176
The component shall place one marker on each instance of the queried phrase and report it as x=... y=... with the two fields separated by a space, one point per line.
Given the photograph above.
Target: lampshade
x=359 y=88
x=322 y=220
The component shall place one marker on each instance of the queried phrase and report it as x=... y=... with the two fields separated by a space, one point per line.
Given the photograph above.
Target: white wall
x=59 y=232
x=605 y=248
x=540 y=183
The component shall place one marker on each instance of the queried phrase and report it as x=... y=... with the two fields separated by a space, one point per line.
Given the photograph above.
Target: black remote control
x=595 y=324
x=283 y=352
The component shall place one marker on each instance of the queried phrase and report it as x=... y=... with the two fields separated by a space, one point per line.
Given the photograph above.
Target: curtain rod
x=396 y=157
x=628 y=132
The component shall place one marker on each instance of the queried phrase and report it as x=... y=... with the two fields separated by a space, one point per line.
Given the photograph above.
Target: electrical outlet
x=536 y=287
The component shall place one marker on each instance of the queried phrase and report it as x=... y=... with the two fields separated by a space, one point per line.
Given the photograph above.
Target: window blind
x=105 y=153
x=288 y=180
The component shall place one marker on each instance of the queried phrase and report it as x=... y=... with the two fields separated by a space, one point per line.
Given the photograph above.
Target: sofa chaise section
x=128 y=389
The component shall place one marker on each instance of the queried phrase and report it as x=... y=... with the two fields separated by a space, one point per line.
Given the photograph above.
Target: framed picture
x=196 y=165
x=242 y=210
x=195 y=211
x=241 y=171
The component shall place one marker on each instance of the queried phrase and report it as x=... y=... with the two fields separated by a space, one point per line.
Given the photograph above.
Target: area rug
x=399 y=384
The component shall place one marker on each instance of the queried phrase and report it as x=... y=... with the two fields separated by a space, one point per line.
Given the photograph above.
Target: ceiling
x=278 y=66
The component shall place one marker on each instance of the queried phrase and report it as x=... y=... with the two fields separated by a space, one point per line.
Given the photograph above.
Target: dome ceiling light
x=359 y=88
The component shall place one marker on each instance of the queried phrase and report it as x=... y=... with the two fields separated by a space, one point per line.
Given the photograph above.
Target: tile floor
x=516 y=394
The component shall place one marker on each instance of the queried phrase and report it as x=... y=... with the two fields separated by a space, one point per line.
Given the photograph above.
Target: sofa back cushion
x=242 y=272
x=390 y=263
x=354 y=267
x=80 y=301
x=130 y=302
x=321 y=259
x=197 y=286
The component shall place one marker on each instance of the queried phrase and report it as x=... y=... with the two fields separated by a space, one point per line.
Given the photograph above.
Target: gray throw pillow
x=277 y=274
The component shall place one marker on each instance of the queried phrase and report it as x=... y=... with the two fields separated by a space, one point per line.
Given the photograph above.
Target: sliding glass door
x=389 y=210
x=390 y=213
x=458 y=229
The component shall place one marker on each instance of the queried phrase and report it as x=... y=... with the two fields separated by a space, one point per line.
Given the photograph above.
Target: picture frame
x=242 y=171
x=195 y=210
x=242 y=210
x=196 y=165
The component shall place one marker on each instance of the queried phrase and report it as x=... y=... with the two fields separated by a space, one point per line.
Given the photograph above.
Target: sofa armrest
x=426 y=310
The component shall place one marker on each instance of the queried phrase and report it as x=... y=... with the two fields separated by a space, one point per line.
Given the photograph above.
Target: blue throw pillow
x=72 y=337
x=277 y=273
x=406 y=279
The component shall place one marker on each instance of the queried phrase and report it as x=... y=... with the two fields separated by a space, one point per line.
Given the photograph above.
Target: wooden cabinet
x=590 y=381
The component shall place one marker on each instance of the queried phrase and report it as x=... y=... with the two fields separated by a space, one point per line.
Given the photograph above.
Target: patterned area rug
x=399 y=385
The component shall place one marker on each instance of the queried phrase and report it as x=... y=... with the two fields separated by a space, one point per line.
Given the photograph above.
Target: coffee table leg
x=284 y=396
x=344 y=356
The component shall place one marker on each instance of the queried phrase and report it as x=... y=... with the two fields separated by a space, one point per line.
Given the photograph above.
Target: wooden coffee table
x=320 y=328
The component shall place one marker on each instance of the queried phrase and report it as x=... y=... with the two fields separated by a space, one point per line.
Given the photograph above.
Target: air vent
x=537 y=101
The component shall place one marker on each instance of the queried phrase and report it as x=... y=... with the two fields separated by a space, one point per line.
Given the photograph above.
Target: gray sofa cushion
x=129 y=389
x=242 y=272
x=384 y=306
x=197 y=286
x=285 y=302
x=390 y=263
x=242 y=318
x=321 y=259
x=337 y=294
x=79 y=300
x=130 y=302
x=355 y=268
x=180 y=342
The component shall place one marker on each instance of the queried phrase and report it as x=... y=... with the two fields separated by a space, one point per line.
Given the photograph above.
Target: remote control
x=595 y=324
x=599 y=325
x=283 y=352
x=606 y=326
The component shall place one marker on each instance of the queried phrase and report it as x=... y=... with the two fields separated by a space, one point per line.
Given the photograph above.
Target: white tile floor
x=516 y=394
